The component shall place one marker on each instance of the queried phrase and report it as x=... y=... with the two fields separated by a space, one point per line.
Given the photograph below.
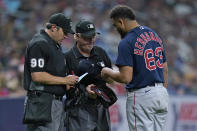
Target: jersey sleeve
x=125 y=55
x=38 y=57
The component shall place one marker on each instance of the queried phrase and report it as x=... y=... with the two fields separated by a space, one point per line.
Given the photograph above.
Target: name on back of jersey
x=153 y=57
x=144 y=38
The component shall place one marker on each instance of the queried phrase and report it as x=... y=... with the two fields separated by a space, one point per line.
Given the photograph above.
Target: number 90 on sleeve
x=37 y=62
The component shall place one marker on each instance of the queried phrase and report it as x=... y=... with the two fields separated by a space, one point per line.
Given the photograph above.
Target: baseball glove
x=105 y=94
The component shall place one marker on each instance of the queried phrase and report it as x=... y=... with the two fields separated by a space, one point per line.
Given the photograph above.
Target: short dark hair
x=122 y=11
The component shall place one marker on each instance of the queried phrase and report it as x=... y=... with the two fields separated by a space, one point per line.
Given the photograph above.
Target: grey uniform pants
x=88 y=118
x=147 y=108
x=57 y=123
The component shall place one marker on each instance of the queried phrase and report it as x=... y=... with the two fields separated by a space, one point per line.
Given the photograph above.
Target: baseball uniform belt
x=151 y=85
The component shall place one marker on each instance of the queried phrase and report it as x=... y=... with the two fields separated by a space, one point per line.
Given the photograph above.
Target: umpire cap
x=62 y=21
x=86 y=28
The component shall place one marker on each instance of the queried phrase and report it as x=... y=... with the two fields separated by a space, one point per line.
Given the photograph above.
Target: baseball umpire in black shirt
x=45 y=76
x=86 y=113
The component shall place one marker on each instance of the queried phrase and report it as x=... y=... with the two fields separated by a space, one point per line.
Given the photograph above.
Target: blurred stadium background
x=174 y=20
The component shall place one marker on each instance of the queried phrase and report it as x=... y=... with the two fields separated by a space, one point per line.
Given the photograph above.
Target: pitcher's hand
x=105 y=72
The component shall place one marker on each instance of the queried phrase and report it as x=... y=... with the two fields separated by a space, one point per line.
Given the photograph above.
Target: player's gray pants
x=147 y=108
x=57 y=123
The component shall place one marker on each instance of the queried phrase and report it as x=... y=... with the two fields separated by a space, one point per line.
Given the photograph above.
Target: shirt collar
x=58 y=46
x=136 y=28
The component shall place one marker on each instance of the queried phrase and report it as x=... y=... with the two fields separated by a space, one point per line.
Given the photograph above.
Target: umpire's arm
x=46 y=78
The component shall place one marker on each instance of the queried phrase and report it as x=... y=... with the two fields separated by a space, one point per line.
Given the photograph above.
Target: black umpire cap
x=62 y=21
x=86 y=28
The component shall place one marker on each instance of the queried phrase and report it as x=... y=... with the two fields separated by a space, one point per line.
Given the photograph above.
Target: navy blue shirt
x=143 y=50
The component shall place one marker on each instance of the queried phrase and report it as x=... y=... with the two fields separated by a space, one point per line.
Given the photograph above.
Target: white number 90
x=35 y=62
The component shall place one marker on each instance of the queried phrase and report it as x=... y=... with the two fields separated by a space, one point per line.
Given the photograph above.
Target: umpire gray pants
x=88 y=118
x=147 y=108
x=57 y=124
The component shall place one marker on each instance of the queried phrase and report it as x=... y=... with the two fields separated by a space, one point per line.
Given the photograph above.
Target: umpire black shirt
x=97 y=54
x=45 y=55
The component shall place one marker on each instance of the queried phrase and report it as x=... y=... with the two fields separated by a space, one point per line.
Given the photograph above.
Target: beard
x=121 y=32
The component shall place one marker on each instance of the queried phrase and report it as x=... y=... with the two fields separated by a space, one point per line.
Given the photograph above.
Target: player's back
x=148 y=57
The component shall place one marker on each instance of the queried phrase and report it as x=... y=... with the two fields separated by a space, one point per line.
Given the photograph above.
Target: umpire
x=88 y=114
x=45 y=76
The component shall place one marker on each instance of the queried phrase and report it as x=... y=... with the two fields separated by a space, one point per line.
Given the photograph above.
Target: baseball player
x=45 y=76
x=87 y=114
x=143 y=68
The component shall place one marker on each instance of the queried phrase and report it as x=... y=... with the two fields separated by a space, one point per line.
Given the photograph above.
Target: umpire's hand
x=91 y=93
x=88 y=89
x=71 y=79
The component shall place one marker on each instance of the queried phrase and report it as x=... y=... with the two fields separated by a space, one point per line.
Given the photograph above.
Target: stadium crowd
x=174 y=20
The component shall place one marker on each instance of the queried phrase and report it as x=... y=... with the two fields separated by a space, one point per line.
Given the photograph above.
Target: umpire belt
x=151 y=85
x=57 y=97
x=37 y=93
